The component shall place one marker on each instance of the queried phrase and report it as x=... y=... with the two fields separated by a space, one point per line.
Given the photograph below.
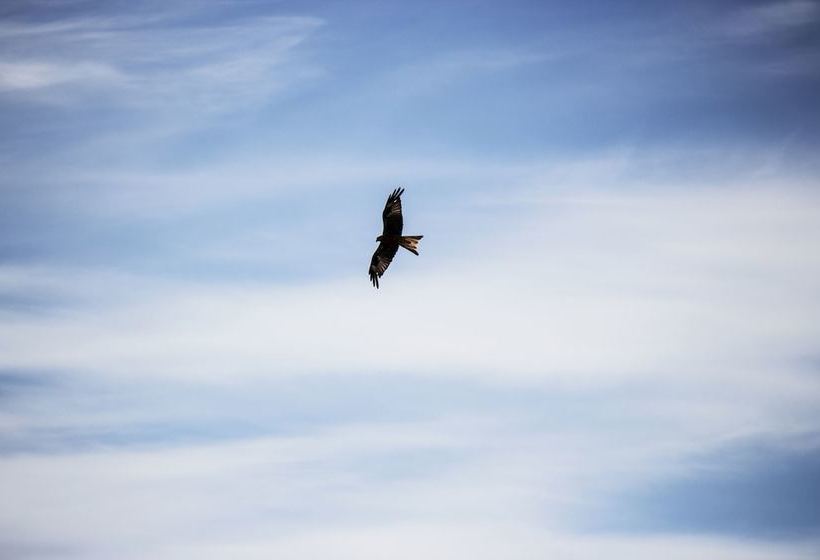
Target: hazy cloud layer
x=607 y=348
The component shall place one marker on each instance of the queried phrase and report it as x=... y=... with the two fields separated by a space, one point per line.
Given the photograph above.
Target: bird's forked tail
x=410 y=242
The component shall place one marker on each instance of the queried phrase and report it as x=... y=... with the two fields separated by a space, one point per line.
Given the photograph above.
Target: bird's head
x=379 y=238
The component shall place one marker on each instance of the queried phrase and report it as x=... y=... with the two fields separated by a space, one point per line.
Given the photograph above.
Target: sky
x=608 y=347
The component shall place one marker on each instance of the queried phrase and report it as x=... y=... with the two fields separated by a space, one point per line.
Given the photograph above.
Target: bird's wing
x=381 y=260
x=391 y=216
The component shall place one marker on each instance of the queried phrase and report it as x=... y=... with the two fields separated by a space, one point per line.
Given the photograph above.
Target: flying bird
x=391 y=238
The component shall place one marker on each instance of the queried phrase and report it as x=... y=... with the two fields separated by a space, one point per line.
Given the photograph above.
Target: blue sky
x=608 y=347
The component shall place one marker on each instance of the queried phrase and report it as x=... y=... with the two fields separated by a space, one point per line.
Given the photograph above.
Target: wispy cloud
x=287 y=494
x=158 y=61
x=711 y=281
x=775 y=38
x=616 y=293
x=32 y=76
x=773 y=17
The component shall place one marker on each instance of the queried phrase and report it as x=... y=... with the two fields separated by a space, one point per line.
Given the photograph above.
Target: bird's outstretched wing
x=391 y=216
x=381 y=260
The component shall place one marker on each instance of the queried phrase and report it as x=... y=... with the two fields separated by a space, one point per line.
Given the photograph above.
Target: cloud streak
x=287 y=494
x=701 y=273
x=773 y=17
x=609 y=339
x=147 y=63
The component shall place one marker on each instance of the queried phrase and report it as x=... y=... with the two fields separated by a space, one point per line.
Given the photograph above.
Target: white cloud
x=31 y=76
x=697 y=300
x=154 y=62
x=656 y=284
x=702 y=301
x=319 y=494
x=682 y=309
x=479 y=541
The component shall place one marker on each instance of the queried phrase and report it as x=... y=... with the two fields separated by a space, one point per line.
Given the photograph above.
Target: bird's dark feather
x=381 y=260
x=391 y=216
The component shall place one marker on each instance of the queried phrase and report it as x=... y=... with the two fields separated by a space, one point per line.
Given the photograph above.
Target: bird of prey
x=391 y=238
